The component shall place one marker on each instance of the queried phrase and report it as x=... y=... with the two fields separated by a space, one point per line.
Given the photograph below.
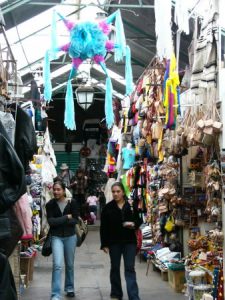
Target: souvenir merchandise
x=170 y=169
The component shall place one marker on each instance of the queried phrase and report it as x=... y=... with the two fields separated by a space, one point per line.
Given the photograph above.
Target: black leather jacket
x=7 y=284
x=25 y=138
x=12 y=178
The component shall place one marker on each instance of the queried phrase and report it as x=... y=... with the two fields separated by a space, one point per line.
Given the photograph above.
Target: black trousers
x=128 y=251
x=80 y=199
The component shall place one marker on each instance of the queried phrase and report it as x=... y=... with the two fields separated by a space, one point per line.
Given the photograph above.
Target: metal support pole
x=221 y=98
x=97 y=5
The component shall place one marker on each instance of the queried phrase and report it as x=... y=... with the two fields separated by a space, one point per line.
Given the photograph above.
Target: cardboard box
x=27 y=268
x=176 y=280
x=14 y=261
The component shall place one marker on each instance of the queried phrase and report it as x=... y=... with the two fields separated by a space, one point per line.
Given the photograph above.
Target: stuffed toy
x=89 y=40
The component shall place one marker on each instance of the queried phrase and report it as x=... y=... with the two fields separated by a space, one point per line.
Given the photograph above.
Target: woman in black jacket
x=62 y=217
x=119 y=220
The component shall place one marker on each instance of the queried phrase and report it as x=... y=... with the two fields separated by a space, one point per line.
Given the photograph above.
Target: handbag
x=47 y=246
x=81 y=230
x=169 y=226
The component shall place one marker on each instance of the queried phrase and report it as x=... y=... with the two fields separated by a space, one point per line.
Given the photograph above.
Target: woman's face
x=58 y=191
x=117 y=193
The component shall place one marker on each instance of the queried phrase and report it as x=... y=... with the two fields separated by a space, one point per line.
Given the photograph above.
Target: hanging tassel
x=54 y=44
x=69 y=115
x=120 y=52
x=47 y=78
x=128 y=72
x=108 y=103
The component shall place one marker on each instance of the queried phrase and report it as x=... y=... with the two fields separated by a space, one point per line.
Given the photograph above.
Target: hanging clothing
x=12 y=176
x=9 y=124
x=24 y=214
x=128 y=156
x=48 y=171
x=48 y=149
x=181 y=16
x=107 y=189
x=25 y=137
x=204 y=71
x=163 y=30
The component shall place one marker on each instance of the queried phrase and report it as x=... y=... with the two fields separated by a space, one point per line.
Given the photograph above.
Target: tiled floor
x=92 y=277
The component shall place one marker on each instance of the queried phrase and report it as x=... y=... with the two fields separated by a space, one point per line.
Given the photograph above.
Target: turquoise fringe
x=108 y=103
x=112 y=17
x=69 y=115
x=109 y=115
x=128 y=73
x=47 y=78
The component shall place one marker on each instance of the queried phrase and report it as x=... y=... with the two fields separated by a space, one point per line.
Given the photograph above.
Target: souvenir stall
x=167 y=155
x=22 y=187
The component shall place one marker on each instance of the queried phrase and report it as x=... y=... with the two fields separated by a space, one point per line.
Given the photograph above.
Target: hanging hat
x=64 y=166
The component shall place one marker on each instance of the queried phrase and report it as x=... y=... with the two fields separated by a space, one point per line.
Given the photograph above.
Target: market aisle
x=92 y=269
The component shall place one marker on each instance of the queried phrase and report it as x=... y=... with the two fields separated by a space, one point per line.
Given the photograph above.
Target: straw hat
x=64 y=166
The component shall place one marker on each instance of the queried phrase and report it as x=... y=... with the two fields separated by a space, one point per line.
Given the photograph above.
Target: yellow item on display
x=136 y=149
x=169 y=226
x=149 y=139
x=38 y=166
x=40 y=150
x=125 y=120
x=146 y=83
x=161 y=153
x=171 y=86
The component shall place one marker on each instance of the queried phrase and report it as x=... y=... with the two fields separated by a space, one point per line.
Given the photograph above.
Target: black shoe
x=70 y=294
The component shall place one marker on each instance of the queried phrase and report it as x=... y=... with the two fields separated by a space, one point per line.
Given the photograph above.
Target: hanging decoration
x=164 y=44
x=90 y=40
x=181 y=16
x=171 y=93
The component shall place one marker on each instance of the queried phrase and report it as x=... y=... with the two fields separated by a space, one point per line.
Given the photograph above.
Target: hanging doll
x=89 y=40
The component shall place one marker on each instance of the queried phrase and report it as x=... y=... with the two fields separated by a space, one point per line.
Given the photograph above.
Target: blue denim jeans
x=63 y=249
x=129 y=252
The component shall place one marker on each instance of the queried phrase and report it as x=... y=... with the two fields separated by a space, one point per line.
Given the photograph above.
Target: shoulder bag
x=81 y=230
x=47 y=245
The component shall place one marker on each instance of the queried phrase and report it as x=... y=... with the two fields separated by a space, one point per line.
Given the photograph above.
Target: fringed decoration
x=120 y=52
x=105 y=27
x=47 y=78
x=111 y=18
x=108 y=103
x=128 y=72
x=69 y=115
x=54 y=44
x=69 y=25
x=108 y=98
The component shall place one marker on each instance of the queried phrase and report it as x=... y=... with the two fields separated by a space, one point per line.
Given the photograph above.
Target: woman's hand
x=129 y=225
x=106 y=250
x=69 y=216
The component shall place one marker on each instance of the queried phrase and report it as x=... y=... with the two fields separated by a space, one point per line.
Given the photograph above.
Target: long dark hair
x=120 y=185
x=62 y=184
